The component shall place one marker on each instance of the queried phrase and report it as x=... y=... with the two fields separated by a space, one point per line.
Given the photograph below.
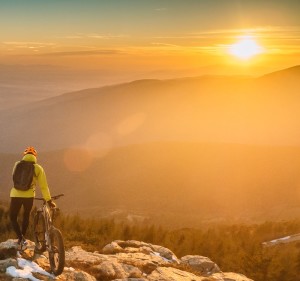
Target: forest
x=233 y=247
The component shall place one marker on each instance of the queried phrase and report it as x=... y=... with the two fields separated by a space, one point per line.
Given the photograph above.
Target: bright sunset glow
x=245 y=48
x=123 y=40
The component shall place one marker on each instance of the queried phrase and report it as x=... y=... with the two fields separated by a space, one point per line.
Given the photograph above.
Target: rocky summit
x=119 y=261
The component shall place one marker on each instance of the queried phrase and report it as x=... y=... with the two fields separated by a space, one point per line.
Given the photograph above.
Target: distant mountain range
x=209 y=147
x=261 y=110
x=24 y=84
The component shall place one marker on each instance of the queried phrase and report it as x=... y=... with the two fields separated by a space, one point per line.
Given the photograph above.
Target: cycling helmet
x=30 y=150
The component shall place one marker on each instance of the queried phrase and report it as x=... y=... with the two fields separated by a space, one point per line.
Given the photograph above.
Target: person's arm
x=42 y=182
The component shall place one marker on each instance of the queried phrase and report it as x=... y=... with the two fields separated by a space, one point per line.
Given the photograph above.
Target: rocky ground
x=118 y=261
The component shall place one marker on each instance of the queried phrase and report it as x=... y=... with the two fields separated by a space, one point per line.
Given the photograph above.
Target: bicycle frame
x=48 y=219
x=51 y=239
x=47 y=211
x=48 y=214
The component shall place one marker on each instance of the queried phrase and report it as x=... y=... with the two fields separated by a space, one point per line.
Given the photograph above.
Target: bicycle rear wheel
x=56 y=251
x=39 y=229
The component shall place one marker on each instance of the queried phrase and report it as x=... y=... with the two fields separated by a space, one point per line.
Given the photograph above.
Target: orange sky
x=176 y=37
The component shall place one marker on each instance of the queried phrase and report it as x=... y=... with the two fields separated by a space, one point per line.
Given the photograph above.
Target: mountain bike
x=47 y=237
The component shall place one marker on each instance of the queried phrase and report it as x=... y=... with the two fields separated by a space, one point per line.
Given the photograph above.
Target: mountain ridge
x=149 y=110
x=284 y=72
x=294 y=70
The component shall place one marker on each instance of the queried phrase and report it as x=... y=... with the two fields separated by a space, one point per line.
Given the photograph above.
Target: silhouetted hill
x=210 y=109
x=23 y=84
x=292 y=72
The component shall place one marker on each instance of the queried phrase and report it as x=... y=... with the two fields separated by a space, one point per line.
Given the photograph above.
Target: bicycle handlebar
x=52 y=197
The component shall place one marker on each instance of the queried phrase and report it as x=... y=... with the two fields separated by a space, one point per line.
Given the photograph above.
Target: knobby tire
x=56 y=251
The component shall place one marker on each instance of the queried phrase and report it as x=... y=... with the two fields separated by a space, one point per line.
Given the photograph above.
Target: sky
x=148 y=36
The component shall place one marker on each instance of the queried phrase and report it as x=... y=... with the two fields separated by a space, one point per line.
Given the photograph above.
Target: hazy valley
x=209 y=148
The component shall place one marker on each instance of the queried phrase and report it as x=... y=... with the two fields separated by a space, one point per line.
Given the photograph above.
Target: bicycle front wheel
x=56 y=251
x=39 y=228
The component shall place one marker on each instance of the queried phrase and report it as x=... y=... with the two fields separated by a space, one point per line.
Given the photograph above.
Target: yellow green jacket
x=39 y=179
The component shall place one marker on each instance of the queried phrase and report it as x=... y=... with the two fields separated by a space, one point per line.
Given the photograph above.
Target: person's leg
x=27 y=203
x=15 y=206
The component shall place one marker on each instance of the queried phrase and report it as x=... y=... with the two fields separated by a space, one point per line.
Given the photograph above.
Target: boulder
x=173 y=274
x=200 y=264
x=74 y=275
x=112 y=248
x=78 y=255
x=110 y=270
x=120 y=265
x=7 y=263
x=8 y=249
x=165 y=253
x=230 y=276
x=146 y=263
x=43 y=262
x=131 y=243
x=133 y=246
x=131 y=279
x=127 y=261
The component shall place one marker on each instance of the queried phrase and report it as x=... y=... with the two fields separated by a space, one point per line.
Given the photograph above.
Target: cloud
x=274 y=39
x=165 y=45
x=95 y=36
x=35 y=46
x=106 y=36
x=73 y=37
x=84 y=53
x=28 y=44
x=284 y=31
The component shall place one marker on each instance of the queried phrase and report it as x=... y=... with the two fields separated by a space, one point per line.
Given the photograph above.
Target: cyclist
x=25 y=198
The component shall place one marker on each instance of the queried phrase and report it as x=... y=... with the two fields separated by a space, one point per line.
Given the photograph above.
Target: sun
x=245 y=48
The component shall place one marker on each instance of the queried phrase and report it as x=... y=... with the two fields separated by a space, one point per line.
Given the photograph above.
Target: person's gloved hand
x=51 y=204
